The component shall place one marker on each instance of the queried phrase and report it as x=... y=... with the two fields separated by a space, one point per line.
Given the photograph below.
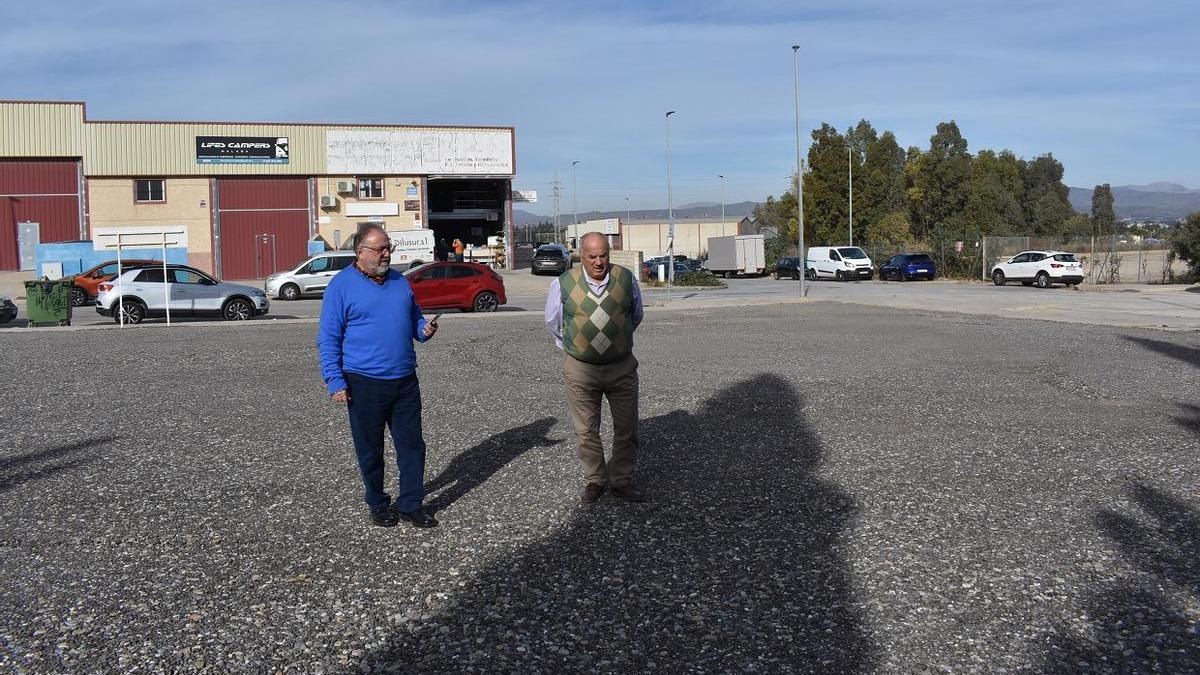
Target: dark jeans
x=376 y=403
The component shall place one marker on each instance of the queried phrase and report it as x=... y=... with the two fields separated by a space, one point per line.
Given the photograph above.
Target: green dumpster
x=48 y=303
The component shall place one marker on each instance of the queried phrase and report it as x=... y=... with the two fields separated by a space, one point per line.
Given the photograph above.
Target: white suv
x=141 y=293
x=1040 y=268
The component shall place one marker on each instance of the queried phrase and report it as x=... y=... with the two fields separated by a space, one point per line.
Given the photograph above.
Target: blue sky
x=1111 y=88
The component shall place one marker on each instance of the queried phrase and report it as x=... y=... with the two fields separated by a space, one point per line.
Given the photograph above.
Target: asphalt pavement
x=867 y=491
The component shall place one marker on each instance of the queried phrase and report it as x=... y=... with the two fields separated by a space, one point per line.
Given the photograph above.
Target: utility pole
x=574 y=202
x=556 y=206
x=850 y=164
x=799 y=177
x=670 y=213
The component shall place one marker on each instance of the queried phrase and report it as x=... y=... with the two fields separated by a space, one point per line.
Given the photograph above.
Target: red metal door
x=263 y=225
x=41 y=191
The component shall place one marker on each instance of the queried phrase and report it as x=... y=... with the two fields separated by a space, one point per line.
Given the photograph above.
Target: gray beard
x=378 y=270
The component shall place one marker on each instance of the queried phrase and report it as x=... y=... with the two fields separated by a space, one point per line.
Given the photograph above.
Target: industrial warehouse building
x=251 y=197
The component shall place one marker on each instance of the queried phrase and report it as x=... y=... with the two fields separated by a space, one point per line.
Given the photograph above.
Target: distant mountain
x=735 y=211
x=1156 y=201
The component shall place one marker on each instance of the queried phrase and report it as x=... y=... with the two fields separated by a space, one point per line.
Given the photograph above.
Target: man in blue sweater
x=369 y=319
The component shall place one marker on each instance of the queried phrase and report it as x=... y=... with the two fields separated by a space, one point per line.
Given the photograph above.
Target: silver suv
x=141 y=293
x=310 y=276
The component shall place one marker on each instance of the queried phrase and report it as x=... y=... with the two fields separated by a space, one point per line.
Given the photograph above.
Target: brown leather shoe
x=591 y=492
x=629 y=492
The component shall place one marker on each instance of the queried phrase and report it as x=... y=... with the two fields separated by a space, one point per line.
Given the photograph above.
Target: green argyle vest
x=597 y=329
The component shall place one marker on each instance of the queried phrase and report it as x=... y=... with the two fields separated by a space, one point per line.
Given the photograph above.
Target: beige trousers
x=586 y=384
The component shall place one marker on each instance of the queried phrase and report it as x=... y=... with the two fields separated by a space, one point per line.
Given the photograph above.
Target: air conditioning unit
x=344 y=186
x=328 y=202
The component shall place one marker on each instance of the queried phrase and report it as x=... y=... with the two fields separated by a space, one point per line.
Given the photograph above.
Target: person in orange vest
x=458 y=249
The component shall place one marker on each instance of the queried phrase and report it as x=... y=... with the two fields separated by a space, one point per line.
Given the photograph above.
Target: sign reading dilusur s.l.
x=241 y=150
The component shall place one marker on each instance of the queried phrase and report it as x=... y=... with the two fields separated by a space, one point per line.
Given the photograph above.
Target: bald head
x=593 y=252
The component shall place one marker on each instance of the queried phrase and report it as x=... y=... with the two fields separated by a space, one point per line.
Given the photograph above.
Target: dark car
x=8 y=310
x=471 y=287
x=908 y=266
x=550 y=258
x=788 y=268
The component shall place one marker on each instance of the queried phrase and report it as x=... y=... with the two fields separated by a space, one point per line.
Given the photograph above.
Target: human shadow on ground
x=1135 y=625
x=21 y=469
x=736 y=563
x=1189 y=355
x=473 y=467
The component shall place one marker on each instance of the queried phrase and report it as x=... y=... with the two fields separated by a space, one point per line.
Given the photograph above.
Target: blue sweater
x=368 y=328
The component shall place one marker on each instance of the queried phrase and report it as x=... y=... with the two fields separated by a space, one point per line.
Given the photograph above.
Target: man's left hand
x=430 y=329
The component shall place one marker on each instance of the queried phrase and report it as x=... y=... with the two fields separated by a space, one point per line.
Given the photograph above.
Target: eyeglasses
x=380 y=249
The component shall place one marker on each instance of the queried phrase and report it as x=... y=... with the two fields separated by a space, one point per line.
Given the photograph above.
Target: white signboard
x=606 y=225
x=372 y=208
x=105 y=238
x=524 y=196
x=419 y=151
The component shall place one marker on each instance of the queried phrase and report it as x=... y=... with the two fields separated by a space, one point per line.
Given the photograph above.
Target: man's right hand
x=340 y=397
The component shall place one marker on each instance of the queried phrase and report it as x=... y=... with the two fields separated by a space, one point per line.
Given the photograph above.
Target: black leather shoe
x=384 y=517
x=591 y=492
x=629 y=493
x=418 y=518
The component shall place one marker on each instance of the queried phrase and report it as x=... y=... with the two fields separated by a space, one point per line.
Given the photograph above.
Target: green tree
x=883 y=182
x=826 y=209
x=1185 y=242
x=993 y=205
x=1046 y=206
x=1104 y=219
x=891 y=232
x=943 y=179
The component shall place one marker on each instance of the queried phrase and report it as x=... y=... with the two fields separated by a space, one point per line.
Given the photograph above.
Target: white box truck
x=737 y=255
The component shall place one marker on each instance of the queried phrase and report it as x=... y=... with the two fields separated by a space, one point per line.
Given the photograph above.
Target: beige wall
x=691 y=239
x=29 y=129
x=111 y=204
x=395 y=190
x=630 y=260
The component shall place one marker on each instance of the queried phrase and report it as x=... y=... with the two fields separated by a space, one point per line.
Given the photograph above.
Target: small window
x=1065 y=257
x=319 y=265
x=150 y=275
x=833 y=255
x=1024 y=257
x=187 y=277
x=370 y=188
x=1034 y=257
x=341 y=262
x=150 y=190
x=107 y=271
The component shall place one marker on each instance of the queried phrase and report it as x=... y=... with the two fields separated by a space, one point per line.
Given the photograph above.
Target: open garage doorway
x=474 y=211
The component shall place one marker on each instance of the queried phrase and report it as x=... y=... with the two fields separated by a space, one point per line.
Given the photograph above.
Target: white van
x=310 y=276
x=838 y=262
x=413 y=248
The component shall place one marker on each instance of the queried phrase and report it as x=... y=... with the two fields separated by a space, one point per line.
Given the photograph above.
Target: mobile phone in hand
x=435 y=318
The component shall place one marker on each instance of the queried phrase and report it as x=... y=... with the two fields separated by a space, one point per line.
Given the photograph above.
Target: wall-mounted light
x=203 y=203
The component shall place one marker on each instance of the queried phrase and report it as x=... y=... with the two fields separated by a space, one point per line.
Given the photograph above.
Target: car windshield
x=550 y=251
x=853 y=252
x=1065 y=257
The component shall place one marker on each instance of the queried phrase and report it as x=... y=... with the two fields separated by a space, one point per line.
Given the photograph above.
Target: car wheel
x=237 y=309
x=796 y=275
x=998 y=278
x=837 y=275
x=1043 y=280
x=132 y=311
x=290 y=292
x=79 y=297
x=776 y=275
x=900 y=276
x=811 y=274
x=486 y=302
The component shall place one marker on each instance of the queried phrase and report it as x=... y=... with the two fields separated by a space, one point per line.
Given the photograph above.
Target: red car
x=470 y=287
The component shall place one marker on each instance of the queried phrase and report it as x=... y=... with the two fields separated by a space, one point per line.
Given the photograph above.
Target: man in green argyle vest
x=592 y=312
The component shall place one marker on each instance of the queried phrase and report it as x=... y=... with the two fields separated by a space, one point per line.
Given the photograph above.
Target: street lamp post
x=670 y=213
x=627 y=209
x=575 y=202
x=722 y=177
x=799 y=176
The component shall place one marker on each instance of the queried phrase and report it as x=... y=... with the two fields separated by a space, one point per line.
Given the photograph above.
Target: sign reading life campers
x=241 y=150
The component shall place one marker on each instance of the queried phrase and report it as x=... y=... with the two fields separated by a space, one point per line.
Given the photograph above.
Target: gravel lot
x=833 y=488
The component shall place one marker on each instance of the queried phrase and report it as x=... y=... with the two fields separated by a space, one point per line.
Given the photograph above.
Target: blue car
x=908 y=266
